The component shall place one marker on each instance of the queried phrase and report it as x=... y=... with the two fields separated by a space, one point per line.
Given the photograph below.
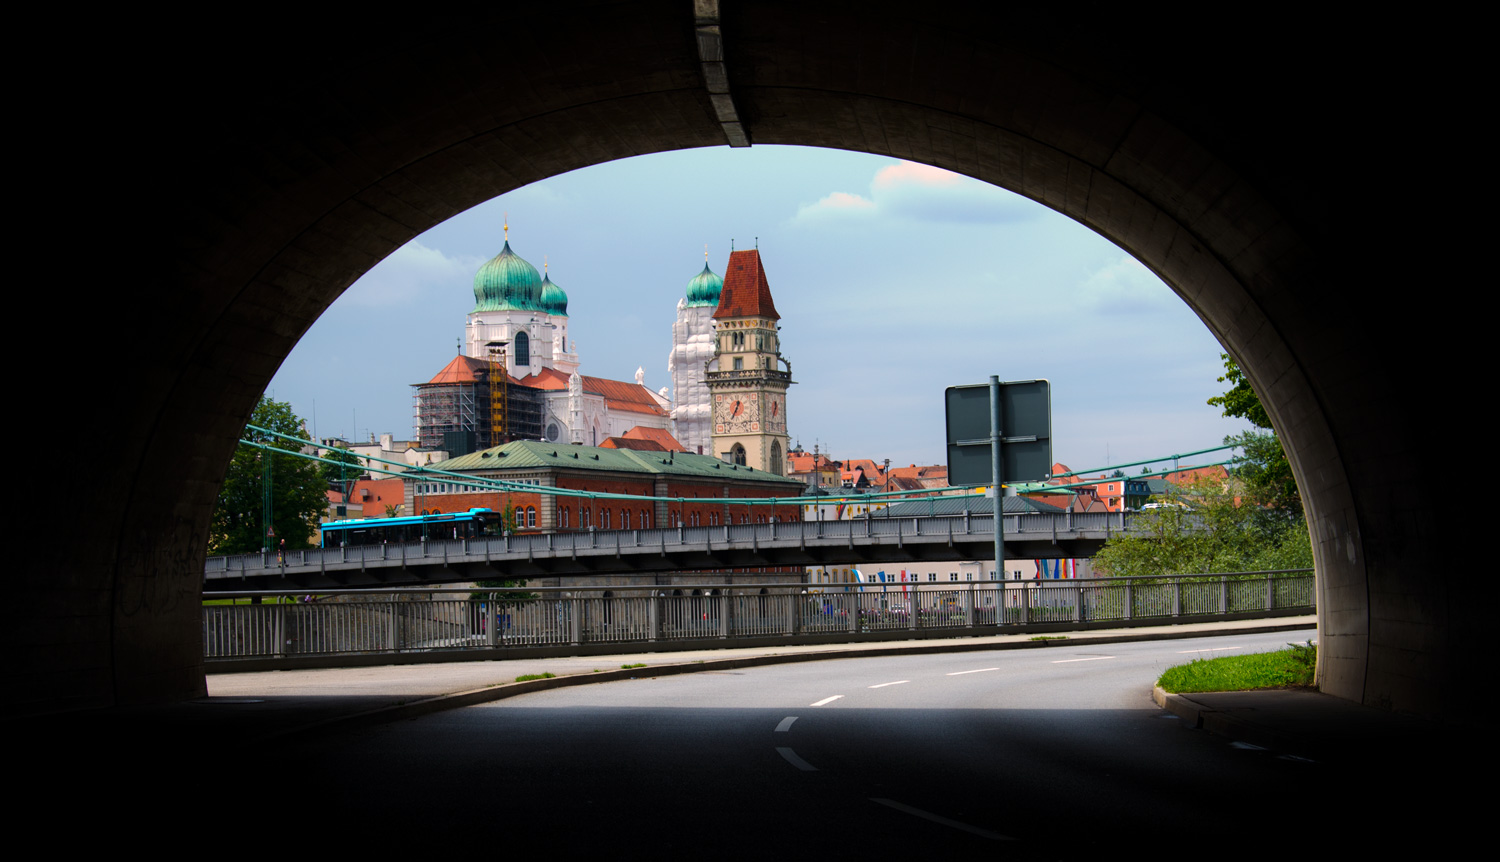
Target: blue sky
x=893 y=279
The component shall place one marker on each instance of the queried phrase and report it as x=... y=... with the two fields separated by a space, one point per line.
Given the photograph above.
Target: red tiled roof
x=618 y=395
x=745 y=293
x=547 y=378
x=638 y=444
x=463 y=369
x=660 y=436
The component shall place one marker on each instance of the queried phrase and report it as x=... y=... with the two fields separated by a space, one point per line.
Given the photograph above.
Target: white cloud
x=411 y=271
x=1125 y=287
x=909 y=190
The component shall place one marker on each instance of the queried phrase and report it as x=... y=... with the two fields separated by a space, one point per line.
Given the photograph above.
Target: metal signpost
x=981 y=418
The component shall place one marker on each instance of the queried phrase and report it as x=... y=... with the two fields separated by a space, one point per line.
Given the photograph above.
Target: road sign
x=1025 y=432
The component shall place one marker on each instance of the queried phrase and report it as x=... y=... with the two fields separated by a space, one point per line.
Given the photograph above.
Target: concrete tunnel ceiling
x=265 y=173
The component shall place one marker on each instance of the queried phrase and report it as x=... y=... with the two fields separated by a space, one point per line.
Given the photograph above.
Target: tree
x=1264 y=470
x=298 y=489
x=347 y=469
x=1240 y=400
x=1206 y=528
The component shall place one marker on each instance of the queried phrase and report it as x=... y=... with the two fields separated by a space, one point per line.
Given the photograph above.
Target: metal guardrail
x=788 y=534
x=443 y=621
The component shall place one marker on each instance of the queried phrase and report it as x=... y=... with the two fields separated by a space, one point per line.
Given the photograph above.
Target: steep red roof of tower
x=746 y=293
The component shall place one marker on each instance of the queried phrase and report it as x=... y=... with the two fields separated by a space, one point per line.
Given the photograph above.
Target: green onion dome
x=705 y=287
x=507 y=283
x=554 y=300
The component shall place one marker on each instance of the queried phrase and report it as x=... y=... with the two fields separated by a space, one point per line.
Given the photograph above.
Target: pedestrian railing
x=345 y=623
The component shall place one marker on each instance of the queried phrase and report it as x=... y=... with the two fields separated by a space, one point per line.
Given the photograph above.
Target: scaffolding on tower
x=499 y=392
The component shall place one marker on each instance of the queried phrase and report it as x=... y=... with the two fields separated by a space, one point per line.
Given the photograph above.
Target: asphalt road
x=1038 y=753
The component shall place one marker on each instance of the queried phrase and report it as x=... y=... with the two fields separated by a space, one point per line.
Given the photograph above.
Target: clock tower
x=748 y=391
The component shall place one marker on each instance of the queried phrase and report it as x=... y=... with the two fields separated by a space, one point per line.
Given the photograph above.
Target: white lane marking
x=1210 y=649
x=935 y=818
x=1090 y=658
x=981 y=670
x=786 y=724
x=884 y=684
x=1246 y=746
x=793 y=759
x=827 y=700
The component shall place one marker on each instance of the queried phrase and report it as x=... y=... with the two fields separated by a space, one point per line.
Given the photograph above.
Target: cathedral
x=518 y=376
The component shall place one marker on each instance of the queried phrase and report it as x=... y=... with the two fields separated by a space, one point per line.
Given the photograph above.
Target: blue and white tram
x=376 y=531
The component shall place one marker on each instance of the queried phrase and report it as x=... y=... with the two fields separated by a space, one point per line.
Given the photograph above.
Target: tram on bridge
x=378 y=531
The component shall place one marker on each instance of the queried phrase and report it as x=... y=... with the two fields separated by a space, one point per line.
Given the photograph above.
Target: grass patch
x=1050 y=637
x=1288 y=668
x=527 y=677
x=632 y=666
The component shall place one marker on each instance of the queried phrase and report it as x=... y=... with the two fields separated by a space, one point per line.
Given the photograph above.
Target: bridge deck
x=805 y=543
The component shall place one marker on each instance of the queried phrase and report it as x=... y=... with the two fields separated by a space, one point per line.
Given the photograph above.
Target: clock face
x=732 y=414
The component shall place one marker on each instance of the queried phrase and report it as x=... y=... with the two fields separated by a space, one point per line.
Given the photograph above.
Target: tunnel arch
x=265 y=192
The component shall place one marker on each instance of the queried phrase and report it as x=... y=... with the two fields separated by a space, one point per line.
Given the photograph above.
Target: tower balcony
x=749 y=376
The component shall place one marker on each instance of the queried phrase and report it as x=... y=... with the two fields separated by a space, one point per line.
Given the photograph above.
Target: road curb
x=501 y=691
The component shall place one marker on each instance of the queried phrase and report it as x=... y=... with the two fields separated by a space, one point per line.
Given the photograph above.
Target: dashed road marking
x=1090 y=658
x=827 y=700
x=981 y=670
x=884 y=684
x=786 y=724
x=937 y=818
x=792 y=758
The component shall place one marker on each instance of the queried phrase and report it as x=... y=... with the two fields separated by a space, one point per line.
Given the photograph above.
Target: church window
x=523 y=349
x=737 y=455
x=739 y=363
x=776 y=458
x=625 y=519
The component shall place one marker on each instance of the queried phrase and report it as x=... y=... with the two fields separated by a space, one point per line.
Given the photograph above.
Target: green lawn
x=1290 y=667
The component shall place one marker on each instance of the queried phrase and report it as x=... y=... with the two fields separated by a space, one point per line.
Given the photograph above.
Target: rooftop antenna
x=731 y=245
x=757 y=243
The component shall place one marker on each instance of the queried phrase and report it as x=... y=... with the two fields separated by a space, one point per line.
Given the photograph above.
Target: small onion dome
x=507 y=283
x=554 y=300
x=705 y=287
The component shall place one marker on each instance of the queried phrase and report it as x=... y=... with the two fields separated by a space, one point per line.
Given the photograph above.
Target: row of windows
x=425 y=488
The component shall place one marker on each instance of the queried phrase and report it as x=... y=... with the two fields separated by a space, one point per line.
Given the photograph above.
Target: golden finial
x=544 y=269
x=507 y=227
x=705 y=254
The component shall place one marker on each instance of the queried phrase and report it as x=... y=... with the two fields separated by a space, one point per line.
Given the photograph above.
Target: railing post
x=1270 y=592
x=969 y=610
x=1129 y=600
x=653 y=619
x=1223 y=594
x=278 y=630
x=1077 y=603
x=492 y=620
x=1176 y=597
x=392 y=636
x=574 y=623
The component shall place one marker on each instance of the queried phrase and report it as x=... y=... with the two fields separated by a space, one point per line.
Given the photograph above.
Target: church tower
x=691 y=357
x=749 y=387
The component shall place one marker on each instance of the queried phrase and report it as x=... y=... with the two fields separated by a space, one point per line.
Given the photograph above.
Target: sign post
x=981 y=419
